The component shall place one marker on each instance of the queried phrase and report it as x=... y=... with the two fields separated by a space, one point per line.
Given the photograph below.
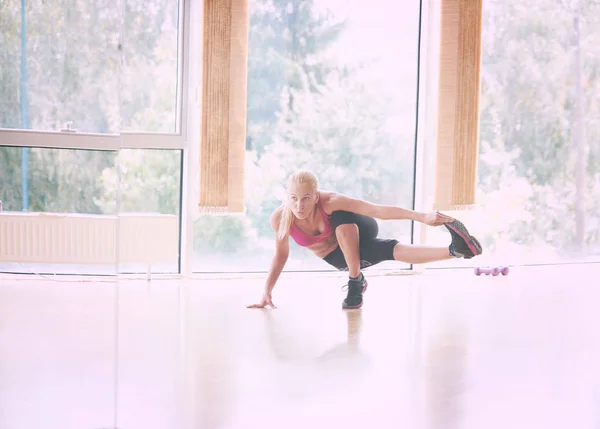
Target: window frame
x=426 y=141
x=178 y=140
x=126 y=139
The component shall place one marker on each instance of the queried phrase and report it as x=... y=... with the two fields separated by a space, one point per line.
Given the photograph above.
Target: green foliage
x=148 y=181
x=308 y=110
x=148 y=93
x=9 y=72
x=60 y=180
x=225 y=235
x=10 y=177
x=287 y=43
x=527 y=119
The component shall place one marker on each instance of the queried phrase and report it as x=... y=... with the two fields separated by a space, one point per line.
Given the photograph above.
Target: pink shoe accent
x=463 y=235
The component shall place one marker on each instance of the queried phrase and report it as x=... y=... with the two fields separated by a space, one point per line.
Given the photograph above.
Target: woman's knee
x=368 y=228
x=346 y=230
x=399 y=251
x=341 y=217
x=380 y=250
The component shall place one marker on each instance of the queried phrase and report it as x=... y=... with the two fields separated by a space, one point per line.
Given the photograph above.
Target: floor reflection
x=446 y=373
x=443 y=350
x=309 y=372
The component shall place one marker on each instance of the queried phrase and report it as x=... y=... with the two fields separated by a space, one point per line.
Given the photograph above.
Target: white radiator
x=56 y=238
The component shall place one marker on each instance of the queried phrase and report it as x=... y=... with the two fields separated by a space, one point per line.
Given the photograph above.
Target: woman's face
x=302 y=199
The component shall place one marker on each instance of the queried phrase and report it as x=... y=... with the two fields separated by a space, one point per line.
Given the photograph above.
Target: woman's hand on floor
x=265 y=300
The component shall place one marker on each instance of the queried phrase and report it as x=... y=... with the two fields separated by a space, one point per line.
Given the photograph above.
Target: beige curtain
x=458 y=108
x=223 y=144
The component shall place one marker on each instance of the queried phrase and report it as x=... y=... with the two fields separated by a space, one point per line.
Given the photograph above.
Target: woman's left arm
x=383 y=212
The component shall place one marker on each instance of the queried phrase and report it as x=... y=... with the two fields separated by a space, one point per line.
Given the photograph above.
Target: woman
x=343 y=232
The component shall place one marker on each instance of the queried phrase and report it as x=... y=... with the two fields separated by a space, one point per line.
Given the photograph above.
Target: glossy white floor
x=444 y=349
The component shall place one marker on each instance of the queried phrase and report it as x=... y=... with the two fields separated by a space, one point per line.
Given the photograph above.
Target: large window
x=328 y=90
x=332 y=87
x=539 y=162
x=92 y=132
x=56 y=209
x=149 y=200
x=90 y=211
x=60 y=63
x=150 y=93
x=90 y=66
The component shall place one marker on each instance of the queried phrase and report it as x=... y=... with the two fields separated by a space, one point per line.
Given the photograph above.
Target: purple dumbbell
x=491 y=270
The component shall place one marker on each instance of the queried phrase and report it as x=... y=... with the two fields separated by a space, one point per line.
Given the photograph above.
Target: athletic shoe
x=463 y=245
x=356 y=288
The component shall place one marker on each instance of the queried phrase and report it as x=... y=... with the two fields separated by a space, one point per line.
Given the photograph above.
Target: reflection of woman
x=343 y=232
x=287 y=350
x=352 y=345
x=305 y=372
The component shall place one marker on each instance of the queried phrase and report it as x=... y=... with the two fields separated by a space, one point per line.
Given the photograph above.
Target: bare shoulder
x=276 y=217
x=282 y=243
x=330 y=200
x=335 y=201
x=325 y=196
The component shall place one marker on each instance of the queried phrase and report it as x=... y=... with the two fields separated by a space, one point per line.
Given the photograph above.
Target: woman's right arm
x=282 y=251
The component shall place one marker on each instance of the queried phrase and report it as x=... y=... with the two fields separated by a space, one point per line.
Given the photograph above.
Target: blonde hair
x=299 y=177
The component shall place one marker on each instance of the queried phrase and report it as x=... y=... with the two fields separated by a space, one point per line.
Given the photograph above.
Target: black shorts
x=373 y=250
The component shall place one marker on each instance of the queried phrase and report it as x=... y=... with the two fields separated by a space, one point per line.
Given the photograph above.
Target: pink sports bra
x=303 y=239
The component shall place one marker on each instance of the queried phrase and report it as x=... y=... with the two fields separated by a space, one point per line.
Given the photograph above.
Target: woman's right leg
x=420 y=254
x=463 y=245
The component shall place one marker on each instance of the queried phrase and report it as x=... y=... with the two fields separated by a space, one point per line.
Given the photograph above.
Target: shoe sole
x=351 y=307
x=473 y=244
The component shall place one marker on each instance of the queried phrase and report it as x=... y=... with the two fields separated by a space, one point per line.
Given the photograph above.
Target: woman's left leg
x=348 y=238
x=352 y=230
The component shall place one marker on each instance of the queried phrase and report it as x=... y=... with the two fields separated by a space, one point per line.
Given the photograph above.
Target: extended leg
x=463 y=245
x=420 y=254
x=378 y=250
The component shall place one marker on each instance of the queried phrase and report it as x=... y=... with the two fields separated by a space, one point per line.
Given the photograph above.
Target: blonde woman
x=342 y=231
